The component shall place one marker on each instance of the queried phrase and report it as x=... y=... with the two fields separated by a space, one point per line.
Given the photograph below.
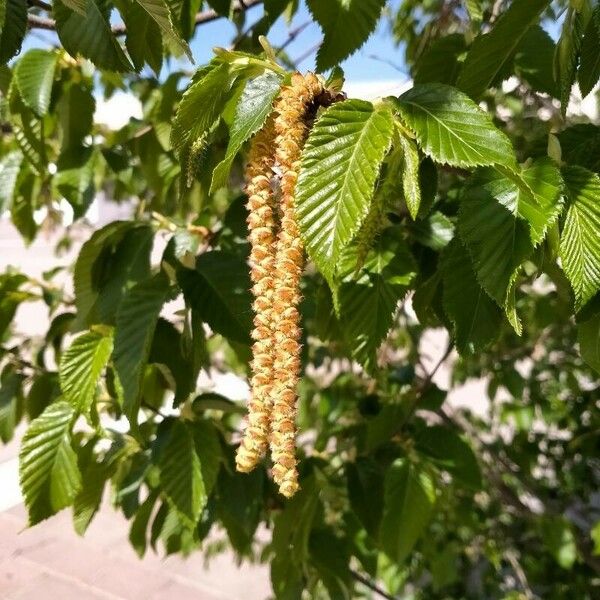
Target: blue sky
x=362 y=66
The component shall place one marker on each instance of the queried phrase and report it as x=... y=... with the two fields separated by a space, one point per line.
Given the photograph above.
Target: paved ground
x=51 y=562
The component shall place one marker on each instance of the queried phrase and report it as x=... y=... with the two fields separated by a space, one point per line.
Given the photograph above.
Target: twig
x=371 y=585
x=306 y=54
x=40 y=4
x=292 y=35
x=206 y=16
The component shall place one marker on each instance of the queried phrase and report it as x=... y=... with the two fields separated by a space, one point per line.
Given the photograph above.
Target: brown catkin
x=262 y=223
x=292 y=110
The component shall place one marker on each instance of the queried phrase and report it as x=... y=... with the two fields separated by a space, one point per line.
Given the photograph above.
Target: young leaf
x=90 y=35
x=346 y=25
x=475 y=316
x=34 y=76
x=181 y=474
x=580 y=238
x=219 y=290
x=410 y=176
x=48 y=469
x=202 y=103
x=136 y=321
x=452 y=129
x=340 y=164
x=81 y=366
x=408 y=507
x=13 y=25
x=254 y=106
x=490 y=52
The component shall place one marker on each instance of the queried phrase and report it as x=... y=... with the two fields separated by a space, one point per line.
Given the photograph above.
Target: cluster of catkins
x=277 y=261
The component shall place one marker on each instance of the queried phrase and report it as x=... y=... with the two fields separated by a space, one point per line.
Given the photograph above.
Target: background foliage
x=469 y=203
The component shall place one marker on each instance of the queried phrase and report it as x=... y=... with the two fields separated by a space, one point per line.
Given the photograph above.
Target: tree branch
x=40 y=4
x=206 y=16
x=372 y=586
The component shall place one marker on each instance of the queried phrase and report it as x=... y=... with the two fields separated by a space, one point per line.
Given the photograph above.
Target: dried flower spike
x=291 y=126
x=262 y=237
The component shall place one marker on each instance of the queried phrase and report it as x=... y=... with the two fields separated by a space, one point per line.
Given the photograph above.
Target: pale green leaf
x=136 y=321
x=181 y=474
x=580 y=235
x=253 y=108
x=475 y=316
x=81 y=366
x=202 y=103
x=48 y=470
x=410 y=176
x=340 y=165
x=409 y=500
x=13 y=25
x=34 y=76
x=452 y=129
x=346 y=26
x=10 y=164
x=490 y=52
x=90 y=35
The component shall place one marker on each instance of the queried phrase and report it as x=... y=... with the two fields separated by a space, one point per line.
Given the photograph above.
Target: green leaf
x=81 y=366
x=441 y=63
x=10 y=164
x=75 y=111
x=48 y=469
x=202 y=103
x=143 y=40
x=208 y=449
x=435 y=231
x=408 y=507
x=346 y=26
x=138 y=533
x=589 y=67
x=158 y=11
x=181 y=474
x=254 y=106
x=368 y=301
x=567 y=55
x=136 y=321
x=496 y=238
x=534 y=61
x=452 y=129
x=11 y=394
x=90 y=35
x=13 y=25
x=34 y=76
x=451 y=453
x=588 y=336
x=219 y=290
x=410 y=176
x=340 y=165
x=475 y=316
x=112 y=260
x=74 y=179
x=580 y=145
x=490 y=52
x=580 y=235
x=365 y=489
x=24 y=203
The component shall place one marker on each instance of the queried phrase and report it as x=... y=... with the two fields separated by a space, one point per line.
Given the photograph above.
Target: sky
x=369 y=64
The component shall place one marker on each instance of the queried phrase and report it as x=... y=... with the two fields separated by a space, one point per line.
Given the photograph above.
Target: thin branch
x=40 y=4
x=306 y=54
x=206 y=16
x=371 y=585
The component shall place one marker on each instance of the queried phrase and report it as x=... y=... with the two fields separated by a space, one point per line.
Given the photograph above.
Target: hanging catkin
x=262 y=237
x=291 y=126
